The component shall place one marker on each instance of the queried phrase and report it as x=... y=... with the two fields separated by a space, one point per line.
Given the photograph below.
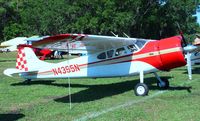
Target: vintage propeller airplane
x=107 y=56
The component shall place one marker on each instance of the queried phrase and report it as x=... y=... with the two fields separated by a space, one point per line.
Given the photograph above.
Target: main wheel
x=141 y=89
x=27 y=81
x=164 y=84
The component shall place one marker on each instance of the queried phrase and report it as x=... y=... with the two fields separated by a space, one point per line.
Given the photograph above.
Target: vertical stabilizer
x=21 y=63
x=28 y=61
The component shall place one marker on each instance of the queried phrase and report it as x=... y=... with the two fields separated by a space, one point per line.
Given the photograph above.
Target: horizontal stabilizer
x=11 y=71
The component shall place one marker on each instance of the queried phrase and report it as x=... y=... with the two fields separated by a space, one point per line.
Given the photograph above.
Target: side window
x=120 y=51
x=110 y=53
x=132 y=48
x=102 y=56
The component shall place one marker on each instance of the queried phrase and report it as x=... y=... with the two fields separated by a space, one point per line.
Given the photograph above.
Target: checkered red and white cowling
x=21 y=63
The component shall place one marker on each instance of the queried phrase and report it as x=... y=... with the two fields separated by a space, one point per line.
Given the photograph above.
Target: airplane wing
x=89 y=43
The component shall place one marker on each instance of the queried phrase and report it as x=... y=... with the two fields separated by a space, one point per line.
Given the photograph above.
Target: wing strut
x=114 y=34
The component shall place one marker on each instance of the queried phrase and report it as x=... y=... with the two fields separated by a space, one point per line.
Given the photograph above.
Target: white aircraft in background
x=107 y=56
x=195 y=56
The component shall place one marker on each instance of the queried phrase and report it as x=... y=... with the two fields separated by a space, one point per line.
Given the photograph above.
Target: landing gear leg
x=162 y=83
x=141 y=89
x=27 y=81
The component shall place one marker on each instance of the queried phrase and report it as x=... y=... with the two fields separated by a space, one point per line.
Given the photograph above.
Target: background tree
x=9 y=26
x=153 y=19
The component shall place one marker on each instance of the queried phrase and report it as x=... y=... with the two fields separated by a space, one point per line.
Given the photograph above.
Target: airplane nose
x=171 y=52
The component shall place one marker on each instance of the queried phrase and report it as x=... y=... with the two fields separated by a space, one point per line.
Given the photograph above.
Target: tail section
x=21 y=63
x=27 y=61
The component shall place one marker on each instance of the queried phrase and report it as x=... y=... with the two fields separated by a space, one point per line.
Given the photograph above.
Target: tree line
x=153 y=19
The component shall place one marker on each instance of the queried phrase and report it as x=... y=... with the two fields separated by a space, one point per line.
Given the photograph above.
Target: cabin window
x=140 y=43
x=132 y=48
x=110 y=53
x=102 y=56
x=120 y=51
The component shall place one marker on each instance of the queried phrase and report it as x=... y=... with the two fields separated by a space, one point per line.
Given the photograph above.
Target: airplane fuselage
x=128 y=60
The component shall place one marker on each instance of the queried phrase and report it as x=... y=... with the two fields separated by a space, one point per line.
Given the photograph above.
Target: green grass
x=107 y=99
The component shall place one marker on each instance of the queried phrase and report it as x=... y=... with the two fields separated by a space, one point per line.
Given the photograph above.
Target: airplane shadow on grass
x=95 y=92
x=11 y=117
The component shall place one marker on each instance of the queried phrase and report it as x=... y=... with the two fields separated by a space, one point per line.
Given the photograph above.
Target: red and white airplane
x=107 y=56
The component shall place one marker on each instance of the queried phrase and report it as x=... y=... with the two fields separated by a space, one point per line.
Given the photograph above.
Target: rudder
x=21 y=63
x=27 y=60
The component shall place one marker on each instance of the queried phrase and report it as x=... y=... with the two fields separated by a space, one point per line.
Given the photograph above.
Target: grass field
x=107 y=99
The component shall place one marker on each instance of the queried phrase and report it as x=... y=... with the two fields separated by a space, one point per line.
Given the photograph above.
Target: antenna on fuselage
x=114 y=34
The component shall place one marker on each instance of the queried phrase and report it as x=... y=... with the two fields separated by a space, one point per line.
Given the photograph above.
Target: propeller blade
x=188 y=49
x=189 y=65
x=181 y=33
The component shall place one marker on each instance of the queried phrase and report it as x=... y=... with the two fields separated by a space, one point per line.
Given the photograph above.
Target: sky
x=198 y=14
x=198 y=17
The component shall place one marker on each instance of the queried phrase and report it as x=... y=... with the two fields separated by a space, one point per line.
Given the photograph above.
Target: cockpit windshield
x=140 y=42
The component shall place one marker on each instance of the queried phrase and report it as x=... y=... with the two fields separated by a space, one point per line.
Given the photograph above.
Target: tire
x=165 y=84
x=27 y=81
x=141 y=89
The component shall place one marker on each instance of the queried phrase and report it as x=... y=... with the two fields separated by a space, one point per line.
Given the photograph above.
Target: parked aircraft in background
x=11 y=45
x=42 y=54
x=3 y=48
x=107 y=56
x=56 y=48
